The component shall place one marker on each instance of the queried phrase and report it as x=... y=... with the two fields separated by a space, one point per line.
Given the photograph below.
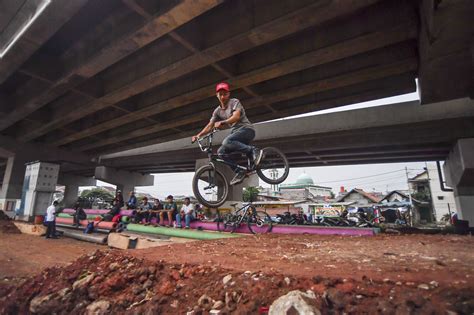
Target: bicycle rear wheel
x=210 y=186
x=225 y=222
x=273 y=168
x=259 y=222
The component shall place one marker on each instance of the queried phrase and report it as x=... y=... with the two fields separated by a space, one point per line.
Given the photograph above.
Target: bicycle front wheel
x=210 y=186
x=273 y=168
x=259 y=222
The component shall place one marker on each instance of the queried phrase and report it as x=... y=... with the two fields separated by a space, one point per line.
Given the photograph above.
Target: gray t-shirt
x=233 y=105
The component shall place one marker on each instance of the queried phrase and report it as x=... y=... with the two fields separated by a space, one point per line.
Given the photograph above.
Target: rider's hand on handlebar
x=194 y=138
x=220 y=124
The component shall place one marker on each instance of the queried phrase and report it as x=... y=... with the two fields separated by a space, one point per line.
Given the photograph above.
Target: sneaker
x=257 y=156
x=238 y=178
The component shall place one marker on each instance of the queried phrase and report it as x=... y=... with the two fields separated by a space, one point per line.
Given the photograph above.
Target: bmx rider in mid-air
x=231 y=113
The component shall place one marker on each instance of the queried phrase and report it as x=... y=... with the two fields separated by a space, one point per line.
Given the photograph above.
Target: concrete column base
x=467 y=204
x=459 y=170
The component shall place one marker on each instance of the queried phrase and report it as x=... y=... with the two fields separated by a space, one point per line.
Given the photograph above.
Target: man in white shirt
x=186 y=212
x=51 y=220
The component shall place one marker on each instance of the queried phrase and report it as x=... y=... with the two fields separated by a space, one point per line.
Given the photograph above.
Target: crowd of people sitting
x=150 y=212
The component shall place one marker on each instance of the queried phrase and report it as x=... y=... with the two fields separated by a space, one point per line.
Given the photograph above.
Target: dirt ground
x=406 y=274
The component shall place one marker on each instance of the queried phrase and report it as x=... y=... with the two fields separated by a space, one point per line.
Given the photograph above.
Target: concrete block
x=118 y=240
x=32 y=229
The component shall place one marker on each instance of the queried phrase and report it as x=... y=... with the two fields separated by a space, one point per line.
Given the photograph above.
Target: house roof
x=279 y=202
x=360 y=192
x=387 y=196
x=417 y=177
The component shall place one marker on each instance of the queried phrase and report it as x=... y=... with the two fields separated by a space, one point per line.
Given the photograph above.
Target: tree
x=97 y=193
x=250 y=194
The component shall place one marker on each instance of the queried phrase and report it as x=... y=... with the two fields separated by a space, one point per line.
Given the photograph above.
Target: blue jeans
x=237 y=141
x=187 y=219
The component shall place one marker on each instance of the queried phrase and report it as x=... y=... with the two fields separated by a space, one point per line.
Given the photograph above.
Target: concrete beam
x=125 y=180
x=43 y=152
x=317 y=13
x=445 y=43
x=80 y=64
x=318 y=57
x=75 y=180
x=372 y=73
x=386 y=87
x=47 y=24
x=382 y=117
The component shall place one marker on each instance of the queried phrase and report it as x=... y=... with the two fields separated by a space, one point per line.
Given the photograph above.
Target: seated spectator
x=199 y=213
x=143 y=210
x=170 y=208
x=187 y=212
x=114 y=212
x=118 y=199
x=157 y=207
x=132 y=201
x=79 y=214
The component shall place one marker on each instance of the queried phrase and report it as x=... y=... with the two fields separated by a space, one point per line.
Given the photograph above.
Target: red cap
x=222 y=86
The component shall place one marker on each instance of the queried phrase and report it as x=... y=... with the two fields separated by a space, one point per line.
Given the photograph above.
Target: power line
x=340 y=180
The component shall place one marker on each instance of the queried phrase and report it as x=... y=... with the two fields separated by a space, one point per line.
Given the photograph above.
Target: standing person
x=171 y=209
x=187 y=212
x=132 y=201
x=51 y=220
x=231 y=113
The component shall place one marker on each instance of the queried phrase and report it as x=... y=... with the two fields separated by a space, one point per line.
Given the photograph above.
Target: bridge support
x=72 y=183
x=10 y=194
x=235 y=191
x=124 y=180
x=459 y=170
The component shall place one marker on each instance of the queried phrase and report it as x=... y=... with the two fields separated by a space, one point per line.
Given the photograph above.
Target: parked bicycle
x=211 y=187
x=257 y=221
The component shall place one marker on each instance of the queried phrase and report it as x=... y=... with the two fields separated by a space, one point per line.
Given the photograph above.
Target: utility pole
x=433 y=209
x=409 y=196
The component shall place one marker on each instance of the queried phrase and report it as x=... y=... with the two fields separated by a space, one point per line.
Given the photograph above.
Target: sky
x=370 y=177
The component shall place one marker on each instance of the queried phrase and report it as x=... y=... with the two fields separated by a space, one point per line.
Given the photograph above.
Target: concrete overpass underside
x=392 y=133
x=97 y=77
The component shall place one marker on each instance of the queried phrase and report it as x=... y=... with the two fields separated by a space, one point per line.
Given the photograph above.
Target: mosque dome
x=304 y=179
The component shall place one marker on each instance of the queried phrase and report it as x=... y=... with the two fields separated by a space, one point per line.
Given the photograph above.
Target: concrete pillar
x=13 y=182
x=459 y=171
x=235 y=191
x=72 y=183
x=124 y=180
x=71 y=193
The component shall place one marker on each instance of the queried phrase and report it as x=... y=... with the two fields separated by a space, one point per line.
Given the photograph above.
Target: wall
x=440 y=206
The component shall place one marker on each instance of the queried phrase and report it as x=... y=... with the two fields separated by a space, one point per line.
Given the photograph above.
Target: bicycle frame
x=237 y=213
x=207 y=147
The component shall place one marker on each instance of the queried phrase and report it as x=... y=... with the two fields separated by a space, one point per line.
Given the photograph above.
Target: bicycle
x=257 y=221
x=211 y=187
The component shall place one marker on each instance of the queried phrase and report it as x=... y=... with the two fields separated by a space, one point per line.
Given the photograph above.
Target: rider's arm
x=233 y=119
x=206 y=129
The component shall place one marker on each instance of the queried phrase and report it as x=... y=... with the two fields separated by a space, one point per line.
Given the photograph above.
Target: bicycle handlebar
x=208 y=136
